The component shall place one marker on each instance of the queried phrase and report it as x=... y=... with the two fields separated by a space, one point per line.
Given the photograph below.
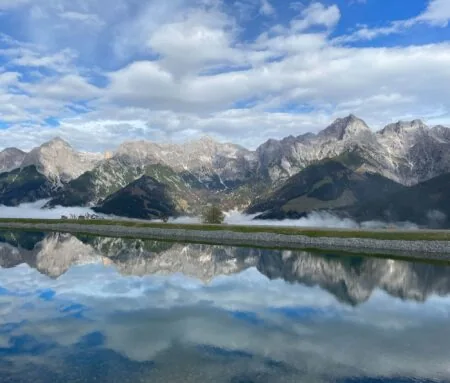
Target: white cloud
x=86 y=18
x=69 y=87
x=437 y=13
x=366 y=33
x=205 y=33
x=38 y=84
x=131 y=34
x=180 y=69
x=19 y=54
x=9 y=78
x=317 y=14
x=266 y=8
x=26 y=58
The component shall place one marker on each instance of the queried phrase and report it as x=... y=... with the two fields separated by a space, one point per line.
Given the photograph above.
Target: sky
x=99 y=72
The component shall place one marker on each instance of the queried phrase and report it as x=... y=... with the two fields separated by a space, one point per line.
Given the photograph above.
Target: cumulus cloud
x=66 y=88
x=317 y=14
x=437 y=13
x=22 y=56
x=155 y=69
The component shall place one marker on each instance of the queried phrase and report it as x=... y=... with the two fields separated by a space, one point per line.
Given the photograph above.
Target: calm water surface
x=92 y=309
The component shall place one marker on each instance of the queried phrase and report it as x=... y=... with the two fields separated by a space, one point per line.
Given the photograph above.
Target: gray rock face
x=406 y=152
x=207 y=160
x=201 y=165
x=414 y=152
x=10 y=159
x=280 y=160
x=59 y=162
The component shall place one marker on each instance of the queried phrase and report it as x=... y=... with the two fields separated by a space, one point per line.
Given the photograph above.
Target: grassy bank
x=416 y=235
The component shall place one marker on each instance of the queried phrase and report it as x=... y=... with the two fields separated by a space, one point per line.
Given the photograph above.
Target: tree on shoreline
x=213 y=215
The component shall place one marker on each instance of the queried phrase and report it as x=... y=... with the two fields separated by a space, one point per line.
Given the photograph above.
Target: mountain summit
x=345 y=128
x=58 y=161
x=10 y=159
x=204 y=170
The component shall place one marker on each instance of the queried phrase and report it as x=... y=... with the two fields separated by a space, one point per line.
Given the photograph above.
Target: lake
x=92 y=309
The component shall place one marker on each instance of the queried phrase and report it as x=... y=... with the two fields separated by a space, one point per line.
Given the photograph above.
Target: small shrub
x=213 y=215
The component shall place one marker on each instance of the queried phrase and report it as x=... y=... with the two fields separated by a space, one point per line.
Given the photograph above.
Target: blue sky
x=101 y=71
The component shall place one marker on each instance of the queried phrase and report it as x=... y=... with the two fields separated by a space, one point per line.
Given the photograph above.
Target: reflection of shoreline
x=429 y=249
x=351 y=280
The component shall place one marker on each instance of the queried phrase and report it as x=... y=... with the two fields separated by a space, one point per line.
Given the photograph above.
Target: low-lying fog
x=315 y=219
x=35 y=210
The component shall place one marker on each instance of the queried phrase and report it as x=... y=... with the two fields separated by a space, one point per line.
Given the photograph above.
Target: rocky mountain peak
x=344 y=128
x=442 y=133
x=57 y=141
x=418 y=122
x=306 y=136
x=138 y=152
x=208 y=146
x=270 y=144
x=191 y=155
x=12 y=150
x=10 y=159
x=402 y=127
x=58 y=161
x=207 y=140
x=204 y=144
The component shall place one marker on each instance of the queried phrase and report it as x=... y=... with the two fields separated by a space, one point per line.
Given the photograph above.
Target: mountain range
x=352 y=280
x=343 y=168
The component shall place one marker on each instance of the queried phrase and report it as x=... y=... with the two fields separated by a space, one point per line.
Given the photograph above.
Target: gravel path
x=438 y=250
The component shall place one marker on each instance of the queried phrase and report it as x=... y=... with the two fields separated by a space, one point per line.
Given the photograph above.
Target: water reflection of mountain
x=350 y=279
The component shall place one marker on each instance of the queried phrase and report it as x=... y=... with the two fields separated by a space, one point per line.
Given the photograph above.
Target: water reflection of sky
x=242 y=327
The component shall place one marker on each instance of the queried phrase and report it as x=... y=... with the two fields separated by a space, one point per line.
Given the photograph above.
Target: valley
x=346 y=169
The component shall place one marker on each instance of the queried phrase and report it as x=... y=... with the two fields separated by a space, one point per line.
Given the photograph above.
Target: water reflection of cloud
x=154 y=317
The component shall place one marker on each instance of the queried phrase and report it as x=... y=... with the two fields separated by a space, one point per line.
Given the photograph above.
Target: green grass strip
x=415 y=235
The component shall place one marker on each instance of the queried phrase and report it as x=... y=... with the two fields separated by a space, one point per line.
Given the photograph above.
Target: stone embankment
x=439 y=250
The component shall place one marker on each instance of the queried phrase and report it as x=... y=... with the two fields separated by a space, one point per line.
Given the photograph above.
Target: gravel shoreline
x=434 y=250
